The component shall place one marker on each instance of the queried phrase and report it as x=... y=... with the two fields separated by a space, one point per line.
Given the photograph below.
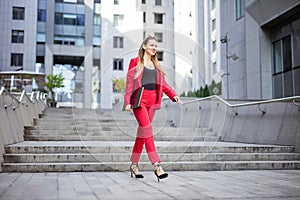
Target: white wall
x=131 y=30
x=237 y=69
x=186 y=45
x=29 y=25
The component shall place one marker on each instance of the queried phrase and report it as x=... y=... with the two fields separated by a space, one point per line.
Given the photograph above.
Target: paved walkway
x=271 y=185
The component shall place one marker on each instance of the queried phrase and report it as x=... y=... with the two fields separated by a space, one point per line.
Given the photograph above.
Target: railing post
x=2 y=90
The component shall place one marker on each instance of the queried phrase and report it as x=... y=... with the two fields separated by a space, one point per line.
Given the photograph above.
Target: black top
x=149 y=79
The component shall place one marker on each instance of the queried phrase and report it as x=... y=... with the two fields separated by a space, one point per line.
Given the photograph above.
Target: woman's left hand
x=177 y=99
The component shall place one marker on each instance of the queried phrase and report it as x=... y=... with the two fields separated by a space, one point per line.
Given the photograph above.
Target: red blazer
x=133 y=85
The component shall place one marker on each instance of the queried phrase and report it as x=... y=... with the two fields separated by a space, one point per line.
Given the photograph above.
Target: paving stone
x=238 y=185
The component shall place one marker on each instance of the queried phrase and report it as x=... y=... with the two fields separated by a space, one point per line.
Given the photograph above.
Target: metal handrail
x=11 y=96
x=246 y=104
x=23 y=95
x=2 y=90
x=295 y=103
x=243 y=104
x=22 y=101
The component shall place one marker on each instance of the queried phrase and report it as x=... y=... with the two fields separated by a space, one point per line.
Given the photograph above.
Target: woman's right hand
x=128 y=108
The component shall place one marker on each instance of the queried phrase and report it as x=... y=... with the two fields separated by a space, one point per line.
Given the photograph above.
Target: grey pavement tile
x=80 y=194
x=67 y=194
x=179 y=185
x=80 y=184
x=44 y=194
x=31 y=191
x=102 y=191
x=17 y=186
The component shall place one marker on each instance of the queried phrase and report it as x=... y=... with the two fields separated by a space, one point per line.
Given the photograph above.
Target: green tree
x=201 y=92
x=119 y=85
x=206 y=91
x=213 y=89
x=53 y=82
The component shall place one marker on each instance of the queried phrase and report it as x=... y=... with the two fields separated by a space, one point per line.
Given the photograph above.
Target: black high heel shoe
x=135 y=170
x=159 y=172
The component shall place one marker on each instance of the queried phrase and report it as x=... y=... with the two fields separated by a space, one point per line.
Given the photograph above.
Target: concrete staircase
x=88 y=140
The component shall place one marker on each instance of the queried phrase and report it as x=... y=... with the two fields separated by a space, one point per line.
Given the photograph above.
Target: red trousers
x=144 y=116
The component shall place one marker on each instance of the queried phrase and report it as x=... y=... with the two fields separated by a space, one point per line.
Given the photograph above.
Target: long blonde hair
x=154 y=59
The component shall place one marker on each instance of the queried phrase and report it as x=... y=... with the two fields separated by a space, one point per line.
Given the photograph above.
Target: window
x=160 y=55
x=70 y=1
x=282 y=68
x=18 y=13
x=158 y=18
x=97 y=1
x=144 y=17
x=118 y=42
x=158 y=2
x=41 y=38
x=296 y=47
x=96 y=63
x=40 y=64
x=239 y=9
x=285 y=59
x=68 y=40
x=97 y=19
x=16 y=60
x=159 y=37
x=59 y=18
x=288 y=84
x=214 y=46
x=41 y=15
x=116 y=2
x=213 y=24
x=17 y=36
x=96 y=41
x=118 y=20
x=69 y=19
x=143 y=1
x=213 y=4
x=118 y=64
x=287 y=53
x=297 y=81
x=214 y=67
x=277 y=57
x=277 y=69
x=80 y=20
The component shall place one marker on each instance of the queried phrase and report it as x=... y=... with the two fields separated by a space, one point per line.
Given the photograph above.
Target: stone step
x=51 y=129
x=124 y=157
x=126 y=146
x=63 y=125
x=110 y=122
x=145 y=166
x=70 y=140
x=120 y=132
x=71 y=121
x=108 y=137
x=91 y=115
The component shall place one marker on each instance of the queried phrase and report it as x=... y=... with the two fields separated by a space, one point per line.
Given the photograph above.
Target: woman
x=144 y=87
